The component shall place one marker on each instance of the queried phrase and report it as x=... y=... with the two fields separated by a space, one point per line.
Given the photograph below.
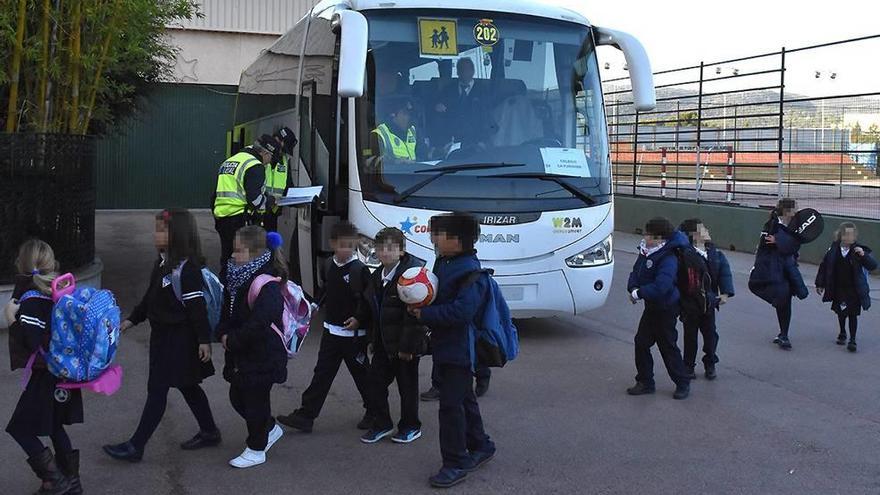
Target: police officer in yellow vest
x=277 y=176
x=396 y=137
x=240 y=191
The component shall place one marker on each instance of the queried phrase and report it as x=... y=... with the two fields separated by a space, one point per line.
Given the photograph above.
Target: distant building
x=167 y=154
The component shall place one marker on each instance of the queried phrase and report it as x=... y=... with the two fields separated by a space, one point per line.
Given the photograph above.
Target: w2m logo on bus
x=567 y=225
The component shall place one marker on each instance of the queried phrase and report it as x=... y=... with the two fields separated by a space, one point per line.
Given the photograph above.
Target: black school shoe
x=783 y=342
x=841 y=339
x=710 y=372
x=297 y=422
x=480 y=458
x=851 y=347
x=125 y=451
x=202 y=440
x=430 y=395
x=365 y=423
x=691 y=372
x=640 y=388
x=448 y=477
x=482 y=387
x=682 y=392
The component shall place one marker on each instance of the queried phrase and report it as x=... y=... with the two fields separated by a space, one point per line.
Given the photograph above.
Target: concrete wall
x=732 y=227
x=208 y=57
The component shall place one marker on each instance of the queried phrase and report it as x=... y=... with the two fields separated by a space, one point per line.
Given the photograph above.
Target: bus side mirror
x=637 y=62
x=352 y=26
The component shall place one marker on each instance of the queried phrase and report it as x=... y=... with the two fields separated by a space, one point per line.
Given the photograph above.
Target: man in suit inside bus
x=464 y=108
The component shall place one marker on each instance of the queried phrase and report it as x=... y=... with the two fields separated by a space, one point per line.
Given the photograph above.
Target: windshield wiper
x=558 y=179
x=441 y=171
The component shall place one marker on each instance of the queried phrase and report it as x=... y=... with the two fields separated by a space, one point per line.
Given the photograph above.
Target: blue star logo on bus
x=407 y=225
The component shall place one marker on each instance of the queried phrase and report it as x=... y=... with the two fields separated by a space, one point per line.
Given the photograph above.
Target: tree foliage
x=82 y=63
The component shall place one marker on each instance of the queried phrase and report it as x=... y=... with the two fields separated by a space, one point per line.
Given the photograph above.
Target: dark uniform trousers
x=657 y=326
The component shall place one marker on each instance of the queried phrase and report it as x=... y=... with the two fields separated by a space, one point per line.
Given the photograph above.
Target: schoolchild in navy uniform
x=256 y=357
x=717 y=295
x=40 y=411
x=464 y=445
x=780 y=242
x=346 y=315
x=842 y=280
x=180 y=335
x=398 y=341
x=653 y=280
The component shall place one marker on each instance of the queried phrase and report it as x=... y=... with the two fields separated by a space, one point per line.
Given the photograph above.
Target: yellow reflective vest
x=231 y=198
x=404 y=150
x=276 y=180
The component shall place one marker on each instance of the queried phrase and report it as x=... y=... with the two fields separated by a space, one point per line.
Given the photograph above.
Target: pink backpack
x=295 y=318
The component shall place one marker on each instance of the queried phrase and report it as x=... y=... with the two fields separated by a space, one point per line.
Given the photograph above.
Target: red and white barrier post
x=663 y=172
x=729 y=176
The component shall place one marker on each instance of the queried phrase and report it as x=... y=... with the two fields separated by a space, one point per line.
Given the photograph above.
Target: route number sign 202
x=486 y=33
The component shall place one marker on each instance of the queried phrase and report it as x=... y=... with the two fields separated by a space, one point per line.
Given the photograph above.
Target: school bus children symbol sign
x=438 y=37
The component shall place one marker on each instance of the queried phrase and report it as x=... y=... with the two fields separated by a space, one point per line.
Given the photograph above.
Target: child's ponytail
x=274 y=243
x=37 y=260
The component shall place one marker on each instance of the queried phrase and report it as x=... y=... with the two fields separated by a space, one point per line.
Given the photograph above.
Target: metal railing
x=735 y=132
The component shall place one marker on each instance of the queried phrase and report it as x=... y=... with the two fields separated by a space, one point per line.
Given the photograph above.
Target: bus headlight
x=366 y=252
x=600 y=254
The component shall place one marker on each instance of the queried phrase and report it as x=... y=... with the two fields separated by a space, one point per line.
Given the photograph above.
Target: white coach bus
x=525 y=150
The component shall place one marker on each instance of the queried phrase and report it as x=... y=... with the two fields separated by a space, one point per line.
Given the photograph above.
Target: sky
x=680 y=33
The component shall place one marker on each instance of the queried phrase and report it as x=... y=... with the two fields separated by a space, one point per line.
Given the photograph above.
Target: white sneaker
x=249 y=458
x=274 y=436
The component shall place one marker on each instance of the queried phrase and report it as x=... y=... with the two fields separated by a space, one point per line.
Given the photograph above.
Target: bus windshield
x=487 y=115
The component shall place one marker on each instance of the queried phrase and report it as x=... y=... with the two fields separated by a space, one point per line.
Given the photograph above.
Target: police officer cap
x=394 y=104
x=287 y=138
x=269 y=144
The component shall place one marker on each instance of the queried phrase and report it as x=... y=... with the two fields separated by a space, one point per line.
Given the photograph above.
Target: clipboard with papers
x=300 y=195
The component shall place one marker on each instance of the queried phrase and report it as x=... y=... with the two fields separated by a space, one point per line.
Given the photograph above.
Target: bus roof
x=525 y=7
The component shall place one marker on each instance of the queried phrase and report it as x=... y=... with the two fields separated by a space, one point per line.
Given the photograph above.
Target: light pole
x=823 y=76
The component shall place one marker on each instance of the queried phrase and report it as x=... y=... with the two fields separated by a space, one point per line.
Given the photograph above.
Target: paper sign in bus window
x=438 y=37
x=565 y=161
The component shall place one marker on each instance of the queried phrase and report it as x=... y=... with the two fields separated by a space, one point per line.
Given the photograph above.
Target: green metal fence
x=167 y=155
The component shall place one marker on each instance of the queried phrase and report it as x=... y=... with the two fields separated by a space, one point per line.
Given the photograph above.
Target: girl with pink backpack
x=256 y=355
x=44 y=408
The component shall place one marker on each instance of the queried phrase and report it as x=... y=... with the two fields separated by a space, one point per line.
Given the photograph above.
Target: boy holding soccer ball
x=464 y=444
x=398 y=341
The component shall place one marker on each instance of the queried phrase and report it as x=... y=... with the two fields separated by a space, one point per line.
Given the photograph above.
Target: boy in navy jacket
x=717 y=294
x=653 y=280
x=464 y=444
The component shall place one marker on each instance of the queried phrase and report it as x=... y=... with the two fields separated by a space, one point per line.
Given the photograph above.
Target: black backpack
x=694 y=283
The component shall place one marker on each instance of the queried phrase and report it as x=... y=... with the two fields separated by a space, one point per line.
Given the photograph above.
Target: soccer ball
x=417 y=287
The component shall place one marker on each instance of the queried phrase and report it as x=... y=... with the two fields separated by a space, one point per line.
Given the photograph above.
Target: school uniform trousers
x=705 y=326
x=461 y=425
x=385 y=369
x=657 y=326
x=335 y=350
x=482 y=373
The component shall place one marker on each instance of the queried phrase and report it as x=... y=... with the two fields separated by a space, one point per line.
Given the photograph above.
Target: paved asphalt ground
x=774 y=422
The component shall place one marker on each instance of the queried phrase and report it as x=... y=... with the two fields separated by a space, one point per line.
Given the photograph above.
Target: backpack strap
x=472 y=277
x=176 y=284
x=257 y=286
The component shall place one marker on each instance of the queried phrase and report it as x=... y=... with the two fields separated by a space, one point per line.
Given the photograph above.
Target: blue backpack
x=212 y=289
x=496 y=340
x=85 y=333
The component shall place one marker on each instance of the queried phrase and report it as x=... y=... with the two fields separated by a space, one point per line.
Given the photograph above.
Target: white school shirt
x=386 y=278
